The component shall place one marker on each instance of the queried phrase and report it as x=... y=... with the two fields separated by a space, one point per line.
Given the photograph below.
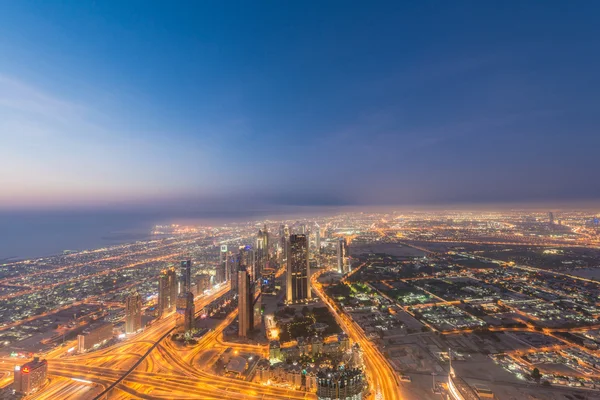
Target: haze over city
x=307 y=200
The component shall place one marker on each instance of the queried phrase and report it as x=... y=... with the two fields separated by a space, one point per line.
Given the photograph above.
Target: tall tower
x=186 y=311
x=302 y=229
x=248 y=260
x=245 y=302
x=185 y=276
x=298 y=270
x=167 y=291
x=133 y=313
x=341 y=256
x=257 y=312
x=551 y=218
x=232 y=268
x=284 y=236
x=221 y=273
x=318 y=237
x=262 y=249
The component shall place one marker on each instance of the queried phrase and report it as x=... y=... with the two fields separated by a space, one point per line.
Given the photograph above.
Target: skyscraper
x=262 y=249
x=133 y=313
x=302 y=229
x=202 y=282
x=341 y=256
x=298 y=270
x=167 y=291
x=245 y=303
x=233 y=267
x=185 y=276
x=256 y=312
x=186 y=311
x=247 y=260
x=284 y=235
x=318 y=237
x=221 y=273
x=551 y=218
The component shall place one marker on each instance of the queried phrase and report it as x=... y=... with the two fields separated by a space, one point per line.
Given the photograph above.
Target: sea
x=37 y=234
x=26 y=235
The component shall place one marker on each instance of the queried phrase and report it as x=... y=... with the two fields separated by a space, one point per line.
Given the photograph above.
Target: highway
x=384 y=381
x=168 y=372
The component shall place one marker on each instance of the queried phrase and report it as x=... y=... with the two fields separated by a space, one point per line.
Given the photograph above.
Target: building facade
x=185 y=276
x=342 y=249
x=340 y=384
x=202 y=283
x=29 y=377
x=94 y=335
x=245 y=303
x=221 y=272
x=262 y=249
x=186 y=312
x=298 y=270
x=133 y=313
x=167 y=291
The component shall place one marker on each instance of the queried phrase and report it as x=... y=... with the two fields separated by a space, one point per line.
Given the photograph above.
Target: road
x=384 y=381
x=168 y=372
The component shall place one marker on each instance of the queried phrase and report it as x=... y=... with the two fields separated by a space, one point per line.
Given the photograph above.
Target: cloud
x=28 y=104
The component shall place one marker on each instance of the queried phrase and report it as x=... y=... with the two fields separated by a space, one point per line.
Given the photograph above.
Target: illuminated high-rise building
x=186 y=311
x=133 y=313
x=262 y=249
x=221 y=273
x=284 y=236
x=29 y=377
x=247 y=260
x=185 y=276
x=342 y=249
x=202 y=283
x=302 y=229
x=551 y=218
x=167 y=291
x=257 y=312
x=298 y=270
x=245 y=303
x=233 y=266
x=318 y=237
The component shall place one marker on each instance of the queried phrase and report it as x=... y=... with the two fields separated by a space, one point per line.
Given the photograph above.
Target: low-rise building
x=340 y=384
x=275 y=351
x=94 y=335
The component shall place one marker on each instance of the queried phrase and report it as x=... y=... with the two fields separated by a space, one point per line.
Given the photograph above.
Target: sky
x=214 y=105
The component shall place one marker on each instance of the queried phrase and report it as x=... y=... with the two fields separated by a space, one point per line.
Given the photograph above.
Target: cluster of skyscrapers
x=174 y=294
x=244 y=271
x=252 y=263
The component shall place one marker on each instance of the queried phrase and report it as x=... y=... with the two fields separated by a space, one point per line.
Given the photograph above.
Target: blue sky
x=119 y=104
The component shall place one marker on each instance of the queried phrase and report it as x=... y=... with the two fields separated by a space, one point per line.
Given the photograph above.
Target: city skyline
x=213 y=107
x=393 y=305
x=307 y=200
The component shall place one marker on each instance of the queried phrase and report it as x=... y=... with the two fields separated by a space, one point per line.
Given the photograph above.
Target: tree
x=536 y=374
